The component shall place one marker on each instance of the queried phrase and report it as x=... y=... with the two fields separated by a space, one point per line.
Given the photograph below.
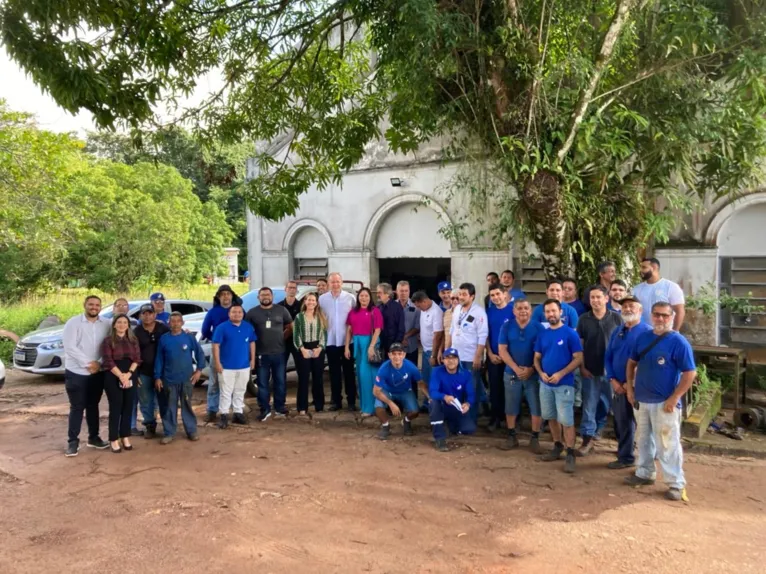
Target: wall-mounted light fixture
x=396 y=182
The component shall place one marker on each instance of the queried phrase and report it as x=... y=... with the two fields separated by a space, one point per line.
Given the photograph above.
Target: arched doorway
x=406 y=240
x=308 y=249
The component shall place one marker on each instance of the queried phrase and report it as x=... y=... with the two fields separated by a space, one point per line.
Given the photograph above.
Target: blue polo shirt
x=496 y=318
x=660 y=370
x=163 y=317
x=619 y=348
x=557 y=347
x=521 y=344
x=568 y=315
x=458 y=385
x=397 y=380
x=234 y=341
x=578 y=306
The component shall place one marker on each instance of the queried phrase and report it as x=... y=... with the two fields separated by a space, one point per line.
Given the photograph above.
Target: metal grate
x=25 y=355
x=533 y=280
x=310 y=268
x=743 y=276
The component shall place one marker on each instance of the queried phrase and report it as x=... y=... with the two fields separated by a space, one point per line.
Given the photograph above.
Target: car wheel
x=252 y=389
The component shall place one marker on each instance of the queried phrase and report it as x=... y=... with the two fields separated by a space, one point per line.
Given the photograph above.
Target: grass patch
x=25 y=316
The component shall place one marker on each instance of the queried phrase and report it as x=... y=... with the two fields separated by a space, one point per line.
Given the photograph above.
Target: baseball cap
x=628 y=298
x=146 y=308
x=450 y=352
x=445 y=286
x=396 y=347
x=156 y=297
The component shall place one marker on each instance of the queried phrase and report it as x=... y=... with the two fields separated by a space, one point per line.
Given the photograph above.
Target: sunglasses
x=455 y=298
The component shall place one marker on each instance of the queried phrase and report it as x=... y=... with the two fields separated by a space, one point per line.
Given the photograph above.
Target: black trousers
x=341 y=372
x=310 y=369
x=120 y=403
x=84 y=392
x=496 y=390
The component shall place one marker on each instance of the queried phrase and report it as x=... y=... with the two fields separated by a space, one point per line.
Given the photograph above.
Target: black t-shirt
x=269 y=325
x=595 y=334
x=147 y=342
x=294 y=309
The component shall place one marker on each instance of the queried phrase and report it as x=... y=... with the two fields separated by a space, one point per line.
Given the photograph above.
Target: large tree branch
x=605 y=54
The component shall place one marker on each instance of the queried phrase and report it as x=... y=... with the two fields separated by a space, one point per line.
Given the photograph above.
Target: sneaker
x=166 y=440
x=510 y=443
x=534 y=445
x=72 y=449
x=493 y=425
x=569 y=465
x=97 y=443
x=441 y=445
x=223 y=421
x=586 y=447
x=193 y=436
x=597 y=436
x=334 y=408
x=264 y=416
x=618 y=465
x=384 y=432
x=407 y=428
x=280 y=414
x=635 y=480
x=674 y=494
x=136 y=432
x=210 y=417
x=554 y=454
x=150 y=433
x=239 y=419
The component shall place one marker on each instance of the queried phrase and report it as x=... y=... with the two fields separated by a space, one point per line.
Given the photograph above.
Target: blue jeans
x=457 y=422
x=557 y=403
x=425 y=371
x=516 y=390
x=272 y=367
x=168 y=399
x=213 y=390
x=147 y=398
x=624 y=428
x=406 y=399
x=478 y=386
x=596 y=404
x=659 y=435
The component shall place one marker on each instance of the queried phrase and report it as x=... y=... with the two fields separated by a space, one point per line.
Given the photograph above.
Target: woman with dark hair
x=310 y=339
x=120 y=358
x=364 y=324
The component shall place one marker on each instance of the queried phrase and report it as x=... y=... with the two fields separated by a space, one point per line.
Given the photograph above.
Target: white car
x=42 y=352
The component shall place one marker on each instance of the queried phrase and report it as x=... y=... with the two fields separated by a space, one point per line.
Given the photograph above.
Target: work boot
x=384 y=432
x=441 y=445
x=674 y=494
x=586 y=447
x=554 y=454
x=511 y=442
x=223 y=421
x=534 y=445
x=619 y=465
x=193 y=436
x=166 y=440
x=635 y=480
x=569 y=465
x=239 y=419
x=150 y=432
x=136 y=432
x=210 y=417
x=408 y=428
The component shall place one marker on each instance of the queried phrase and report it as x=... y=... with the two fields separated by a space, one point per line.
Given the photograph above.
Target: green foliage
x=706 y=300
x=704 y=389
x=600 y=119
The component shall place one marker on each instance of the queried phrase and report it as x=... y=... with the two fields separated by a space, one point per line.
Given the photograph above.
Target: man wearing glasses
x=615 y=365
x=666 y=371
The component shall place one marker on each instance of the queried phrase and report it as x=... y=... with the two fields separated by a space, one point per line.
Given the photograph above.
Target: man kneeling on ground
x=452 y=394
x=394 y=383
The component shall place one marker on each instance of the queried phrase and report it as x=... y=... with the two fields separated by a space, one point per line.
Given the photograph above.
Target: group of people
x=621 y=350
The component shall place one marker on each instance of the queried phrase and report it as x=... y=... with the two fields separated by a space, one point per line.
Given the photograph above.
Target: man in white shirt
x=431 y=335
x=468 y=334
x=337 y=304
x=655 y=289
x=84 y=379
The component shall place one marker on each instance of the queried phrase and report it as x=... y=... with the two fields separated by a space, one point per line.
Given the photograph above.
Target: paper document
x=456 y=403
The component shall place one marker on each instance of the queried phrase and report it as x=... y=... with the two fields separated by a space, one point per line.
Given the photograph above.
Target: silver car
x=42 y=352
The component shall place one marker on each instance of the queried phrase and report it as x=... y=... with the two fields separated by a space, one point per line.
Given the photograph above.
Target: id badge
x=268 y=324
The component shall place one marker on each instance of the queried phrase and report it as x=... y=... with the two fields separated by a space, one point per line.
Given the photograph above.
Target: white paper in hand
x=456 y=403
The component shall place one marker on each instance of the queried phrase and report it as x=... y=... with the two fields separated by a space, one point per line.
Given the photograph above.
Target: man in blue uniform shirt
x=615 y=364
x=499 y=313
x=394 y=383
x=558 y=352
x=666 y=371
x=158 y=302
x=555 y=290
x=452 y=393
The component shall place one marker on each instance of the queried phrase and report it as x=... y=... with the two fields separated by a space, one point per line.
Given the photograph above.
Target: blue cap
x=445 y=286
x=450 y=352
x=156 y=297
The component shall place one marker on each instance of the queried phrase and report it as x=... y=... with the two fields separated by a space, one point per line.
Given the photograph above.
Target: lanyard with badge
x=268 y=321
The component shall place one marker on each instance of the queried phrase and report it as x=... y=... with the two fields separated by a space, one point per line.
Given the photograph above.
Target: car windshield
x=250 y=299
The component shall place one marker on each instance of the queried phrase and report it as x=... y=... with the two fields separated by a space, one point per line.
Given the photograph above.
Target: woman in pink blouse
x=363 y=330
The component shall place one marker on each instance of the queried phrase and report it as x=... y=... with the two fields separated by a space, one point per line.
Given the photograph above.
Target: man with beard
x=224 y=298
x=615 y=365
x=445 y=292
x=655 y=289
x=660 y=371
x=558 y=352
x=618 y=290
x=321 y=286
x=507 y=280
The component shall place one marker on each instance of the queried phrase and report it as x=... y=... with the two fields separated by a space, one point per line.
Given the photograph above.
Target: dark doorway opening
x=422 y=273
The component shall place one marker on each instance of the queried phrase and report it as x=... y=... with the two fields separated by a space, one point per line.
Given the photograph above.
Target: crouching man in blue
x=175 y=375
x=666 y=371
x=394 y=383
x=452 y=394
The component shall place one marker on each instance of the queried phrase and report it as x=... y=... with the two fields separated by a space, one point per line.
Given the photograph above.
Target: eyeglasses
x=662 y=315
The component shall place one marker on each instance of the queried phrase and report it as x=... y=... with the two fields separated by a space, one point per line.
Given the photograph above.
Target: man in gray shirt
x=84 y=379
x=411 y=325
x=271 y=322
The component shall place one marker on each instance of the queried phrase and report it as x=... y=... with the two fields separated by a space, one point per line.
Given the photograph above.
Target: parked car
x=2 y=375
x=42 y=352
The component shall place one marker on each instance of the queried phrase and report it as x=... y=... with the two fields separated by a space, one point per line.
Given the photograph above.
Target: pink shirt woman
x=363 y=321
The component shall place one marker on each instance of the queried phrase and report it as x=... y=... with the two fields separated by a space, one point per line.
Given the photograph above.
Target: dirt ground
x=326 y=496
